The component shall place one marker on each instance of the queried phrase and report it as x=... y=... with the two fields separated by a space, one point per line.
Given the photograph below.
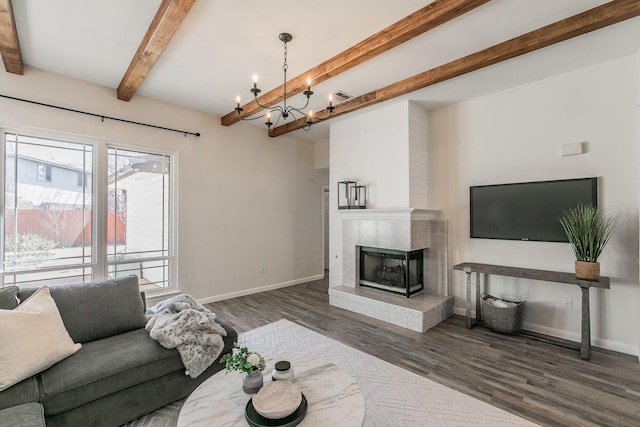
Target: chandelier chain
x=285 y=66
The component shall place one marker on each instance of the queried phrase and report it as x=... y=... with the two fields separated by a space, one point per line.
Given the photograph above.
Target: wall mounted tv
x=528 y=210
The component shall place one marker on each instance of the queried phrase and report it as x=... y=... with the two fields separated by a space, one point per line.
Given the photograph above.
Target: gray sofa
x=120 y=373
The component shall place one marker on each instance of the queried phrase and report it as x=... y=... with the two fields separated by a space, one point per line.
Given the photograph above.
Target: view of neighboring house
x=53 y=213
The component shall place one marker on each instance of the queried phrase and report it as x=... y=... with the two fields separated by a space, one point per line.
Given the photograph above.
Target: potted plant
x=588 y=230
x=249 y=363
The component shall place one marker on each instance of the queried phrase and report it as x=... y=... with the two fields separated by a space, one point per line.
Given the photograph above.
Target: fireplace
x=391 y=270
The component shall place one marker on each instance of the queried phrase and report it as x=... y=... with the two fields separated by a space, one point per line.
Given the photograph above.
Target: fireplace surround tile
x=421 y=234
x=367 y=233
x=393 y=234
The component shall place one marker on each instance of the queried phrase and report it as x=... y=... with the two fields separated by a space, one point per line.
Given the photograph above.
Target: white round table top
x=334 y=397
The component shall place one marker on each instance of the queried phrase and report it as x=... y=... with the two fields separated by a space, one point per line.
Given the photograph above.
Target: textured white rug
x=393 y=396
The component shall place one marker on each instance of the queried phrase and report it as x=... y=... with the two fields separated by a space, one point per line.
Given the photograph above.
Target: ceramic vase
x=252 y=383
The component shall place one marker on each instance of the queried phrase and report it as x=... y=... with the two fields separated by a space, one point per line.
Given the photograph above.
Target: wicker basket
x=507 y=320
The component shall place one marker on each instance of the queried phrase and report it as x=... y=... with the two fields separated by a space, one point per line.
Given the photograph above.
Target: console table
x=531 y=274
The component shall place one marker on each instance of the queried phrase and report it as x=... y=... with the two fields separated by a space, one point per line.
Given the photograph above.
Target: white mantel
x=389 y=214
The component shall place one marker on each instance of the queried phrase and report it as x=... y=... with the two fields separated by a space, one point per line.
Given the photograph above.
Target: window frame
x=99 y=189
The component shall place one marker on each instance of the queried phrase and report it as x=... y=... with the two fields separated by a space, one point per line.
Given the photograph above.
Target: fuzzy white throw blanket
x=182 y=323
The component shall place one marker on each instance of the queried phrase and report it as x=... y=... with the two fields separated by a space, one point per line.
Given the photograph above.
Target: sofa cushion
x=8 y=297
x=25 y=391
x=33 y=338
x=105 y=366
x=25 y=415
x=92 y=311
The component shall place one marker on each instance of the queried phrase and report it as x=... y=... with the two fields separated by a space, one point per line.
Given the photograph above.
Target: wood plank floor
x=544 y=383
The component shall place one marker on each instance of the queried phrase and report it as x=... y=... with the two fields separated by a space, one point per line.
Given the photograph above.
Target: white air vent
x=342 y=95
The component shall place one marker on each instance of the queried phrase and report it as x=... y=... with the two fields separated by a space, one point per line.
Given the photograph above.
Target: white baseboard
x=571 y=336
x=153 y=299
x=259 y=289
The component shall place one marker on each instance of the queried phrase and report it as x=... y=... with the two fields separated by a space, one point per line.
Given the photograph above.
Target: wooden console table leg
x=478 y=307
x=468 y=299
x=585 y=343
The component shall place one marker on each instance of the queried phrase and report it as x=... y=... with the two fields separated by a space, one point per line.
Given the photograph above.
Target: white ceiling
x=222 y=43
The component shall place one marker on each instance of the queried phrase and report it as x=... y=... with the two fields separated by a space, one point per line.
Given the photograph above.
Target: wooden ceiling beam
x=590 y=20
x=168 y=18
x=425 y=19
x=9 y=44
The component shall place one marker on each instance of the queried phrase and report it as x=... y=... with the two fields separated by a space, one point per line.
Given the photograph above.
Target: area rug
x=393 y=396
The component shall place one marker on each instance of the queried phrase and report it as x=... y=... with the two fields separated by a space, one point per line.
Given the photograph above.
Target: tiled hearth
x=418 y=313
x=404 y=230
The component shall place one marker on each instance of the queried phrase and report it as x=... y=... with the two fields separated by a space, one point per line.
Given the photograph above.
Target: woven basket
x=507 y=320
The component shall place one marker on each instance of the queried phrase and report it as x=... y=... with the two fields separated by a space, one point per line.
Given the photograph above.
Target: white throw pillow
x=33 y=338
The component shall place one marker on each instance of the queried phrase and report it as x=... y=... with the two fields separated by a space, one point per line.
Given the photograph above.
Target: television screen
x=528 y=210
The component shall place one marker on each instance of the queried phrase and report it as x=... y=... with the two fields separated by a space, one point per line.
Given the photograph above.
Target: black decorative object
x=358 y=197
x=344 y=194
x=254 y=419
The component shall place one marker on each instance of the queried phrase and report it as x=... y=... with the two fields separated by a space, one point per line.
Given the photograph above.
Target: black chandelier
x=284 y=110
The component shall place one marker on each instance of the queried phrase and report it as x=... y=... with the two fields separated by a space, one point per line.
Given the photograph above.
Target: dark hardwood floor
x=539 y=381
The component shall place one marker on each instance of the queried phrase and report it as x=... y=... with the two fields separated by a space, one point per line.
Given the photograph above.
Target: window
x=46 y=228
x=51 y=234
x=44 y=172
x=139 y=201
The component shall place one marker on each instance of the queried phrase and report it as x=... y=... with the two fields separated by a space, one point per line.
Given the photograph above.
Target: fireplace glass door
x=392 y=270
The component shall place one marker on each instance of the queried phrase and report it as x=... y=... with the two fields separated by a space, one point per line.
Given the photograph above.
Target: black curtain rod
x=101 y=116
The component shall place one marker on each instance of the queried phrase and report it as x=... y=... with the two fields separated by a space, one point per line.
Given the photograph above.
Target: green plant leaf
x=588 y=231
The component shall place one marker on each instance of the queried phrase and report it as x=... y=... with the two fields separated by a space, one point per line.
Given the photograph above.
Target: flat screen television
x=527 y=210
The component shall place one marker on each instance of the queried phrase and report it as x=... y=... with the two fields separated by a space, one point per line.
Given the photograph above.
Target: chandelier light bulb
x=330 y=108
x=238 y=100
x=308 y=82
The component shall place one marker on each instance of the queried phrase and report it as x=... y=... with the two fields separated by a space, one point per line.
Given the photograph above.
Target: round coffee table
x=334 y=397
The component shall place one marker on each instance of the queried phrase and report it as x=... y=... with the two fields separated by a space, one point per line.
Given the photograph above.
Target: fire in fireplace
x=392 y=270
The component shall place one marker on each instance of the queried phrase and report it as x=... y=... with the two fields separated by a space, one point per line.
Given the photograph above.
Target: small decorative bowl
x=277 y=399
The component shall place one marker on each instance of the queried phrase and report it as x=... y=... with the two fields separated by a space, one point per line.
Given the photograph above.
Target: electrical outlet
x=262 y=269
x=568 y=303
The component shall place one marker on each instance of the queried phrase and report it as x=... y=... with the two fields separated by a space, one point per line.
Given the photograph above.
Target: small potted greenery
x=588 y=230
x=249 y=363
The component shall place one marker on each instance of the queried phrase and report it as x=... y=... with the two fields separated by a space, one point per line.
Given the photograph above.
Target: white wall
x=321 y=153
x=373 y=149
x=245 y=200
x=515 y=136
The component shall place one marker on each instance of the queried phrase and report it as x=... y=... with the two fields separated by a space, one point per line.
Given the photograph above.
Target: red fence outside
x=64 y=226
